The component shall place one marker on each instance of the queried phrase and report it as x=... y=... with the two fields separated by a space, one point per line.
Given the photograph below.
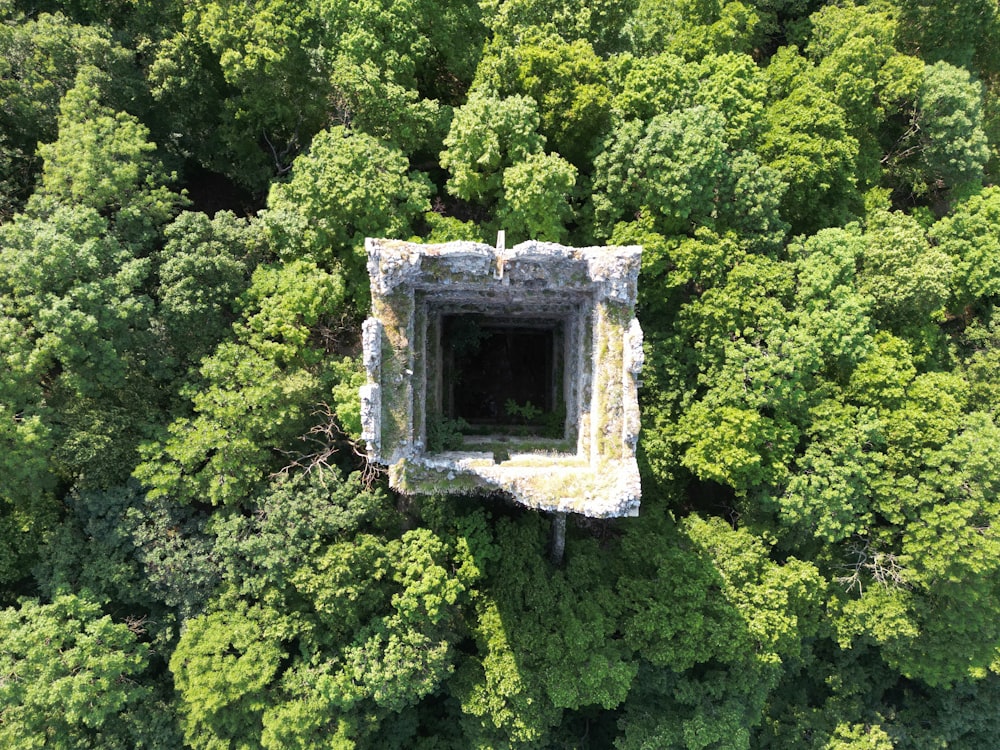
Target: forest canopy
x=194 y=552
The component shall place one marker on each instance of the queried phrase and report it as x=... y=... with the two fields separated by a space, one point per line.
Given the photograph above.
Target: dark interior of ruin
x=500 y=374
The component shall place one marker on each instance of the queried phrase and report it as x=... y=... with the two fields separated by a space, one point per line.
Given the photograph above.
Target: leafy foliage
x=193 y=550
x=204 y=267
x=41 y=57
x=68 y=675
x=489 y=134
x=349 y=186
x=258 y=393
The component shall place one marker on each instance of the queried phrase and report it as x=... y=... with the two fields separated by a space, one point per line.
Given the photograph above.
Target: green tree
x=960 y=716
x=907 y=278
x=76 y=314
x=745 y=421
x=70 y=676
x=85 y=321
x=957 y=33
x=693 y=29
x=203 y=268
x=645 y=86
x=347 y=187
x=223 y=666
x=943 y=147
x=669 y=168
x=734 y=85
x=927 y=589
x=489 y=135
x=826 y=492
x=75 y=275
x=104 y=160
x=536 y=198
x=566 y=80
x=391 y=63
x=546 y=641
x=677 y=173
x=258 y=392
x=856 y=64
x=978 y=364
x=266 y=77
x=40 y=57
x=323 y=656
x=750 y=616
x=149 y=559
x=28 y=507
x=815 y=562
x=272 y=94
x=809 y=144
x=598 y=22
x=969 y=239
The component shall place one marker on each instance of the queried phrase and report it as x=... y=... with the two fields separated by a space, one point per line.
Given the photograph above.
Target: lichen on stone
x=576 y=306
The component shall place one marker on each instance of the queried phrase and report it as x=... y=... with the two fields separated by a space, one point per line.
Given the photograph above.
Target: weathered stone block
x=505 y=369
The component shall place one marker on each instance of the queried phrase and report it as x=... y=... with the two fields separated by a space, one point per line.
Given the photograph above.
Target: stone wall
x=583 y=461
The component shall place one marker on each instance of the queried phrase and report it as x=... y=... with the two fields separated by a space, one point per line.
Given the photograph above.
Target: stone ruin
x=513 y=370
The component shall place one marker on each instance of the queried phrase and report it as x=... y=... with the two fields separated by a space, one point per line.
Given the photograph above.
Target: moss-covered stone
x=587 y=298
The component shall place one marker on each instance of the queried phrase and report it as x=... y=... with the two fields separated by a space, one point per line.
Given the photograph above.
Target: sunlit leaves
x=104 y=160
x=326 y=647
x=223 y=667
x=28 y=507
x=969 y=237
x=536 y=198
x=566 y=80
x=828 y=493
x=39 y=59
x=84 y=319
x=815 y=562
x=651 y=84
x=668 y=168
x=735 y=86
x=347 y=187
x=808 y=142
x=906 y=277
x=944 y=146
x=259 y=394
x=69 y=674
x=599 y=22
x=489 y=134
x=692 y=28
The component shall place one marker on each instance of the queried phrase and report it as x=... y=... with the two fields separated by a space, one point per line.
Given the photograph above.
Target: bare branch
x=280 y=165
x=326 y=438
x=881 y=567
x=137 y=624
